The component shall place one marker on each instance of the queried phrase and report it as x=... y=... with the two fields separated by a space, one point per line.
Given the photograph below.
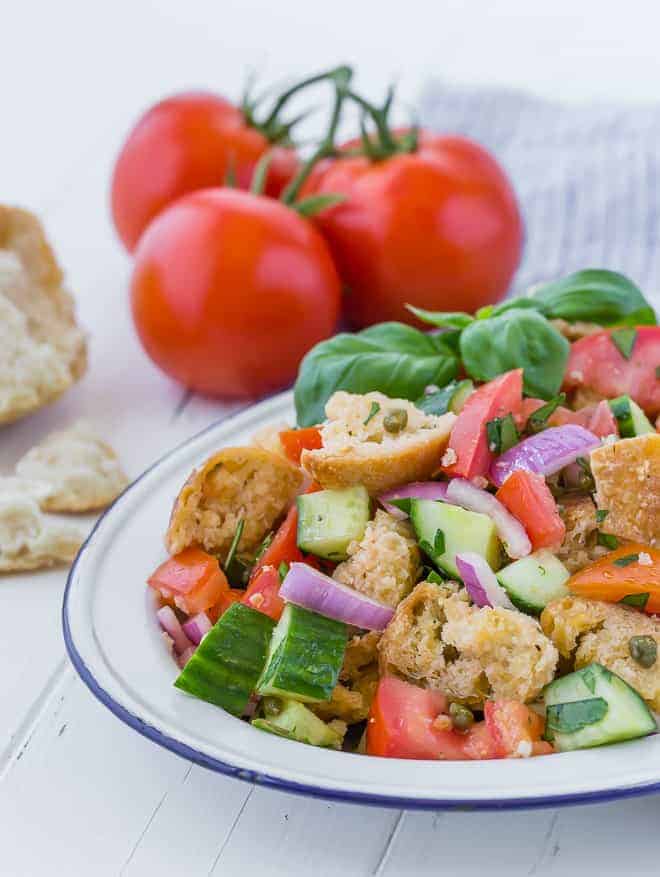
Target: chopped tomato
x=192 y=579
x=596 y=363
x=528 y=407
x=295 y=441
x=622 y=575
x=527 y=496
x=479 y=744
x=283 y=548
x=596 y=418
x=233 y=595
x=468 y=438
x=515 y=729
x=263 y=592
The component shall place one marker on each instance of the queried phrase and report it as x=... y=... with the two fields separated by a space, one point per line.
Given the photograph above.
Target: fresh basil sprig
x=396 y=359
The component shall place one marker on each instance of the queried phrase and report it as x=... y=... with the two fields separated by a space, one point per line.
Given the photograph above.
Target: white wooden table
x=80 y=793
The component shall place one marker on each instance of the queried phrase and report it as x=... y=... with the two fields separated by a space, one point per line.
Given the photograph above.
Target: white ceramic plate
x=114 y=642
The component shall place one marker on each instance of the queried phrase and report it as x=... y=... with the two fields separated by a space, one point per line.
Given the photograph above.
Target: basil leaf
x=373 y=411
x=538 y=420
x=282 y=570
x=595 y=296
x=240 y=526
x=403 y=503
x=437 y=403
x=438 y=546
x=624 y=340
x=566 y=718
x=434 y=577
x=626 y=560
x=442 y=319
x=502 y=434
x=638 y=600
x=601 y=514
x=517 y=339
x=394 y=358
x=607 y=540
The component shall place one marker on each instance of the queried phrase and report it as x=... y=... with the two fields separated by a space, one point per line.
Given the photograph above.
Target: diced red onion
x=311 y=589
x=185 y=656
x=417 y=490
x=546 y=452
x=480 y=582
x=170 y=624
x=512 y=533
x=251 y=707
x=196 y=627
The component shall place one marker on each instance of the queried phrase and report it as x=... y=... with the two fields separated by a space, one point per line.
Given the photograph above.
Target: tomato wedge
x=596 y=418
x=192 y=579
x=527 y=496
x=283 y=548
x=468 y=439
x=295 y=441
x=629 y=574
x=263 y=592
x=233 y=595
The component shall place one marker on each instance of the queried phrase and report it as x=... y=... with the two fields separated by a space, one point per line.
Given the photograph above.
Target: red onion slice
x=311 y=589
x=480 y=581
x=170 y=624
x=545 y=453
x=512 y=533
x=196 y=627
x=417 y=490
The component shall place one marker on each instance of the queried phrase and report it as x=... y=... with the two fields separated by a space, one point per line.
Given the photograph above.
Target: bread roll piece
x=42 y=350
x=81 y=470
x=30 y=540
x=249 y=483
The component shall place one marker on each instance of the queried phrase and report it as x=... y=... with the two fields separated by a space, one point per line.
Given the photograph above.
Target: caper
x=461 y=716
x=396 y=420
x=643 y=650
x=272 y=706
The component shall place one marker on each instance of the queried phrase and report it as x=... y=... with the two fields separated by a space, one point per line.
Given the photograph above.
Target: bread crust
x=30 y=540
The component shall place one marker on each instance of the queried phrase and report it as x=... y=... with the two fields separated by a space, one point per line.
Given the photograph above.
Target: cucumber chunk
x=295 y=722
x=228 y=662
x=329 y=520
x=461 y=531
x=630 y=417
x=588 y=723
x=534 y=581
x=305 y=656
x=449 y=398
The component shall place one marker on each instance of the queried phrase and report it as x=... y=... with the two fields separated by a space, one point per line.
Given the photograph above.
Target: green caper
x=395 y=420
x=643 y=650
x=461 y=716
x=272 y=706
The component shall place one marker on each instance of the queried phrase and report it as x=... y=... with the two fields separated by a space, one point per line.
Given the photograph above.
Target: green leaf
x=624 y=339
x=438 y=546
x=567 y=718
x=437 y=403
x=396 y=359
x=595 y=296
x=626 y=560
x=402 y=503
x=502 y=434
x=238 y=532
x=317 y=203
x=373 y=411
x=601 y=514
x=637 y=600
x=282 y=570
x=442 y=319
x=657 y=371
x=607 y=540
x=538 y=420
x=434 y=577
x=517 y=338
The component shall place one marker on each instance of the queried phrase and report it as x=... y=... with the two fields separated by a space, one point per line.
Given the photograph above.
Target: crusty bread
x=29 y=539
x=82 y=471
x=627 y=476
x=357 y=449
x=580 y=545
x=42 y=351
x=235 y=483
x=351 y=698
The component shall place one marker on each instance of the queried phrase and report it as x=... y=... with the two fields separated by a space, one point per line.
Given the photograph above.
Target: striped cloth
x=588 y=177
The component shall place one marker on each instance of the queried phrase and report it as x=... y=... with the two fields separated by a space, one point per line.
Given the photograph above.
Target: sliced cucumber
x=295 y=722
x=630 y=417
x=329 y=520
x=449 y=398
x=461 y=531
x=625 y=717
x=534 y=581
x=228 y=662
x=305 y=656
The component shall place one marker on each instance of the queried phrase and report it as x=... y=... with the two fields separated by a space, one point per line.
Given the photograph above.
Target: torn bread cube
x=31 y=540
x=376 y=441
x=580 y=546
x=81 y=470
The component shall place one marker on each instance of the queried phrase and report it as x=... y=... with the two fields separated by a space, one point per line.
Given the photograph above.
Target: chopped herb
x=402 y=503
x=601 y=514
x=234 y=543
x=607 y=540
x=657 y=372
x=588 y=478
x=639 y=601
x=626 y=560
x=434 y=577
x=373 y=411
x=624 y=339
x=438 y=546
x=261 y=550
x=502 y=434
x=567 y=718
x=589 y=679
x=283 y=569
x=539 y=419
x=643 y=650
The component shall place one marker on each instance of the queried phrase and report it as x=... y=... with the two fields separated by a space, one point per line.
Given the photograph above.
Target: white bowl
x=114 y=642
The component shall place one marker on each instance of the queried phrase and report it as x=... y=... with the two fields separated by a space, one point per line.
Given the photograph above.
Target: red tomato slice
x=511 y=724
x=596 y=363
x=527 y=496
x=527 y=408
x=283 y=548
x=596 y=418
x=233 y=595
x=613 y=578
x=295 y=441
x=468 y=437
x=192 y=579
x=263 y=592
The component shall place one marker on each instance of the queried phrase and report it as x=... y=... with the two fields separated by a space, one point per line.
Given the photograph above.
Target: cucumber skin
x=296 y=722
x=321 y=538
x=306 y=661
x=513 y=591
x=227 y=664
x=631 y=419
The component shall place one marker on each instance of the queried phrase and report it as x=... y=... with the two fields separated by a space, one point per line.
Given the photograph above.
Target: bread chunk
x=358 y=449
x=580 y=546
x=351 y=698
x=29 y=539
x=585 y=631
x=42 y=350
x=234 y=483
x=82 y=471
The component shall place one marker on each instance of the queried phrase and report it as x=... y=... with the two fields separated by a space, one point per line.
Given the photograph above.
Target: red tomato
x=468 y=439
x=527 y=496
x=192 y=579
x=233 y=595
x=187 y=142
x=606 y=579
x=263 y=592
x=596 y=418
x=230 y=290
x=511 y=724
x=295 y=441
x=284 y=547
x=596 y=363
x=439 y=228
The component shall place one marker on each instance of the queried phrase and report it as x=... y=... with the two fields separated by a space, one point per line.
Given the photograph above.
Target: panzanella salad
x=456 y=552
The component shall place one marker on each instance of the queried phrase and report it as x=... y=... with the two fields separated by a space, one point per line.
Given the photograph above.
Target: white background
x=79 y=792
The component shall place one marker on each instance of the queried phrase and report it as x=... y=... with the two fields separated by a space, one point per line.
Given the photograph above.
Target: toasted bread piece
x=235 y=483
x=580 y=546
x=42 y=350
x=82 y=471
x=357 y=449
x=585 y=631
x=30 y=540
x=627 y=476
x=351 y=698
